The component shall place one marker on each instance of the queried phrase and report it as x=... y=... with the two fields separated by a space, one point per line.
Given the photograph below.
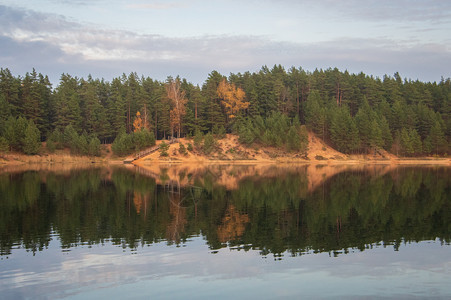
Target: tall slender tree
x=178 y=102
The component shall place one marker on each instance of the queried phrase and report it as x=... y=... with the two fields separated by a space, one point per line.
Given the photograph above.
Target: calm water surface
x=226 y=232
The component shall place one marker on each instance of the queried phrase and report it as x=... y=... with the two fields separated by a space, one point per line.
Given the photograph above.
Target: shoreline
x=434 y=161
x=55 y=159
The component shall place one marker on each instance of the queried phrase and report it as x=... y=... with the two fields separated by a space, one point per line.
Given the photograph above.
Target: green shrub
x=198 y=138
x=209 y=143
x=219 y=131
x=4 y=145
x=94 y=147
x=319 y=157
x=51 y=146
x=164 y=149
x=182 y=149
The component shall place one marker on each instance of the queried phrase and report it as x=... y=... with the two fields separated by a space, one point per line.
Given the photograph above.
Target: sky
x=157 y=39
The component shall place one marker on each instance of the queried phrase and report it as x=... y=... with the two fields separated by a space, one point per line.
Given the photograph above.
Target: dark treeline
x=274 y=212
x=355 y=113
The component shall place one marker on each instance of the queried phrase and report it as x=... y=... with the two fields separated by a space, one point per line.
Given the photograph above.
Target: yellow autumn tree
x=233 y=225
x=232 y=98
x=138 y=122
x=178 y=101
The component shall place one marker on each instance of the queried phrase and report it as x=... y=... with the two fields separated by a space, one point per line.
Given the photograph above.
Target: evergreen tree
x=293 y=139
x=68 y=111
x=123 y=143
x=436 y=138
x=15 y=132
x=415 y=139
x=364 y=118
x=182 y=149
x=304 y=139
x=5 y=112
x=70 y=136
x=315 y=113
x=9 y=89
x=376 y=140
x=245 y=133
x=198 y=138
x=51 y=145
x=94 y=146
x=32 y=139
x=31 y=99
x=340 y=129
x=406 y=143
x=386 y=134
x=4 y=145
x=116 y=109
x=57 y=138
x=164 y=149
x=209 y=143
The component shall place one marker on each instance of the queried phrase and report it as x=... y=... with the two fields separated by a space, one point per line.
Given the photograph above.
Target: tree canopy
x=355 y=113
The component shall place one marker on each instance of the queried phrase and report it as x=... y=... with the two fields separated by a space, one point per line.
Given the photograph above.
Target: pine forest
x=354 y=113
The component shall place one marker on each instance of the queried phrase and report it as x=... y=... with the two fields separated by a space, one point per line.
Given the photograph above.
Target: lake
x=243 y=232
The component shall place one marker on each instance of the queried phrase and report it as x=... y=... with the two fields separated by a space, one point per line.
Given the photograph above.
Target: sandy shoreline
x=440 y=161
x=228 y=151
x=21 y=160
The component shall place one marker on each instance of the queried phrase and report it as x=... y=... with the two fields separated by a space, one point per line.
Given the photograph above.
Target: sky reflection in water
x=192 y=271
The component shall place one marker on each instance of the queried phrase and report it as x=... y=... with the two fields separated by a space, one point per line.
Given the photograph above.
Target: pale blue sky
x=192 y=38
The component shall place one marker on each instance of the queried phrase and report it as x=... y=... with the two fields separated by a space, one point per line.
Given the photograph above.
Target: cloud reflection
x=87 y=271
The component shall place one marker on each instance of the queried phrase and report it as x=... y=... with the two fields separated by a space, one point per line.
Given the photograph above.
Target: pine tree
x=68 y=111
x=182 y=149
x=415 y=139
x=245 y=135
x=340 y=129
x=209 y=143
x=293 y=139
x=164 y=149
x=385 y=131
x=436 y=138
x=5 y=112
x=406 y=143
x=9 y=88
x=116 y=109
x=304 y=139
x=213 y=111
x=32 y=139
x=4 y=145
x=69 y=136
x=94 y=146
x=376 y=140
x=198 y=138
x=369 y=136
x=315 y=113
x=15 y=132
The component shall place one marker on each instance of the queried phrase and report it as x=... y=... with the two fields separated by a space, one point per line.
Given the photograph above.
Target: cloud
x=157 y=5
x=14 y=20
x=377 y=10
x=55 y=45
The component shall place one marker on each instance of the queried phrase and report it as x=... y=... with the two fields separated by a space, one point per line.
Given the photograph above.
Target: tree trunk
x=195 y=110
x=297 y=98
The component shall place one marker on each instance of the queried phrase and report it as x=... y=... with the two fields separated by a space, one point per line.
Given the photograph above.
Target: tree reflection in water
x=269 y=208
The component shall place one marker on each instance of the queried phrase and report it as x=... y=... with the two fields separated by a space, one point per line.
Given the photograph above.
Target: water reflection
x=267 y=208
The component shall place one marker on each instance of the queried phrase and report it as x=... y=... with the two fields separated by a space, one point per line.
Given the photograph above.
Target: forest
x=354 y=113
